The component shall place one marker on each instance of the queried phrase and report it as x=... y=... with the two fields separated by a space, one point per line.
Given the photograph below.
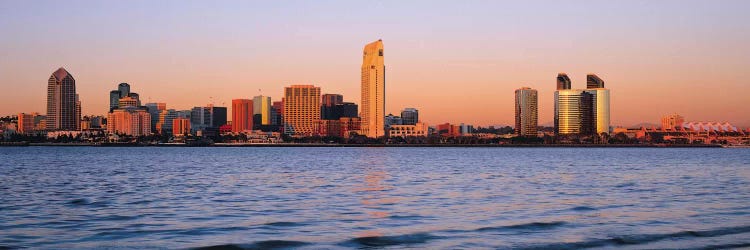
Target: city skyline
x=674 y=72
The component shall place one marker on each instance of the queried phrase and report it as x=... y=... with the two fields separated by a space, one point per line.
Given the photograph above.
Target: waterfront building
x=328 y=106
x=583 y=112
x=61 y=101
x=209 y=117
x=242 y=110
x=418 y=129
x=373 y=90
x=526 y=108
x=671 y=122
x=154 y=109
x=133 y=121
x=165 y=121
x=218 y=116
x=301 y=109
x=26 y=122
x=180 y=126
x=568 y=111
x=391 y=120
x=261 y=111
x=410 y=116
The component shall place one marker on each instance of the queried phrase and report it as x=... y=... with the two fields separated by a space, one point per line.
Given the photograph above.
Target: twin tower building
x=577 y=111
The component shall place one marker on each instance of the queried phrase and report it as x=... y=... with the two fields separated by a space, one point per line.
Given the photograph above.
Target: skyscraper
x=122 y=91
x=61 y=101
x=328 y=106
x=582 y=111
x=593 y=82
x=526 y=112
x=261 y=111
x=568 y=111
x=154 y=109
x=301 y=109
x=409 y=116
x=165 y=120
x=242 y=115
x=373 y=90
x=563 y=81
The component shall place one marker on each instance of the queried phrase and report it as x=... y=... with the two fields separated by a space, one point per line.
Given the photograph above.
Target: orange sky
x=455 y=63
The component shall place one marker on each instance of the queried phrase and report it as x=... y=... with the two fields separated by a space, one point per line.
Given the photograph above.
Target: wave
x=525 y=226
x=266 y=244
x=644 y=238
x=378 y=241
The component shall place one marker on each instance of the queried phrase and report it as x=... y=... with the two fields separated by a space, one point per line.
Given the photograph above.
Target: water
x=329 y=198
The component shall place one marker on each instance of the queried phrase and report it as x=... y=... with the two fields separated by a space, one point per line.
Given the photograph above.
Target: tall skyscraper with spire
x=373 y=90
x=61 y=101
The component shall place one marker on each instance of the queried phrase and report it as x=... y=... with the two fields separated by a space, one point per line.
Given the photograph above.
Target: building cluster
x=304 y=111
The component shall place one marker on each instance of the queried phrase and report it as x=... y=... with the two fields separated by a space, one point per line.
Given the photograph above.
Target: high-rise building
x=242 y=115
x=165 y=121
x=154 y=109
x=26 y=122
x=278 y=112
x=563 y=81
x=668 y=122
x=61 y=101
x=78 y=112
x=594 y=82
x=122 y=91
x=373 y=90
x=301 y=109
x=582 y=111
x=568 y=111
x=527 y=106
x=328 y=106
x=218 y=116
x=409 y=116
x=133 y=121
x=261 y=111
x=180 y=126
x=599 y=109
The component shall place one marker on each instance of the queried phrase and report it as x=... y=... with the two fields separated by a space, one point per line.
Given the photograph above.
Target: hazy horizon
x=454 y=62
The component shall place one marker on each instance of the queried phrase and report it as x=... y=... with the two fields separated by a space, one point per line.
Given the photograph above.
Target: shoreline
x=233 y=145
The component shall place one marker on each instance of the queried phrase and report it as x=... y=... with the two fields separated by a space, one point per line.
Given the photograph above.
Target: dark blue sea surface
x=341 y=198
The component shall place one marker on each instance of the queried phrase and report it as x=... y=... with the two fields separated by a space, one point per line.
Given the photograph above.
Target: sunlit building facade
x=418 y=129
x=242 y=115
x=301 y=109
x=165 y=121
x=526 y=108
x=132 y=121
x=61 y=101
x=600 y=109
x=180 y=126
x=373 y=90
x=261 y=111
x=568 y=111
x=26 y=122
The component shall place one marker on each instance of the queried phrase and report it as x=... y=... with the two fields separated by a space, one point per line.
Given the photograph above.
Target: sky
x=455 y=61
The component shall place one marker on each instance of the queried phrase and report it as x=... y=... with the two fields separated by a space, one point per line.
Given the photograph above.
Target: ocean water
x=391 y=198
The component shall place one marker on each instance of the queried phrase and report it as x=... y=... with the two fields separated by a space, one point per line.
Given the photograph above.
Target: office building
x=301 y=109
x=261 y=111
x=122 y=91
x=409 y=116
x=526 y=108
x=165 y=121
x=180 y=126
x=583 y=112
x=418 y=129
x=154 y=109
x=26 y=122
x=373 y=90
x=61 y=101
x=78 y=112
x=242 y=115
